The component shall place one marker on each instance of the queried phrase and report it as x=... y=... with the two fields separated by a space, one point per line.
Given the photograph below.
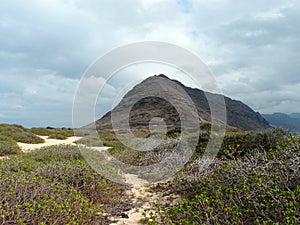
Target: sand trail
x=48 y=142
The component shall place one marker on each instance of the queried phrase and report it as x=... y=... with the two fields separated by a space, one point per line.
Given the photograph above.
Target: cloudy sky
x=252 y=47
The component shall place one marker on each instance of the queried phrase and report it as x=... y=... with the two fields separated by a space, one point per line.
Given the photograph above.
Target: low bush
x=8 y=146
x=19 y=134
x=239 y=144
x=54 y=185
x=90 y=141
x=263 y=187
x=61 y=135
x=41 y=131
x=54 y=133
x=28 y=198
x=173 y=133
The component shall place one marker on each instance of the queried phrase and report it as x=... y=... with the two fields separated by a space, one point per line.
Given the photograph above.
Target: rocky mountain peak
x=159 y=96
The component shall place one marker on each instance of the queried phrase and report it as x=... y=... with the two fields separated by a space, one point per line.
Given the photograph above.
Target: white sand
x=4 y=157
x=100 y=149
x=134 y=180
x=145 y=199
x=48 y=142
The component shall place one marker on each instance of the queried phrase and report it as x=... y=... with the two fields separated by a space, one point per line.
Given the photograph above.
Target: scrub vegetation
x=53 y=133
x=11 y=134
x=54 y=185
x=255 y=179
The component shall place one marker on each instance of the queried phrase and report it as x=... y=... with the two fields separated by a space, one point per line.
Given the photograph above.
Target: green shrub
x=174 y=132
x=8 y=146
x=30 y=199
x=19 y=134
x=59 y=135
x=90 y=141
x=263 y=187
x=54 y=185
x=104 y=138
x=239 y=144
x=41 y=131
x=54 y=133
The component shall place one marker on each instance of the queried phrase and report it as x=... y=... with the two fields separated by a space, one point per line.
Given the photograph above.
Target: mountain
x=150 y=105
x=295 y=115
x=285 y=121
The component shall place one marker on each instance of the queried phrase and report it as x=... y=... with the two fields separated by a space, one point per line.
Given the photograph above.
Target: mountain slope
x=284 y=121
x=150 y=105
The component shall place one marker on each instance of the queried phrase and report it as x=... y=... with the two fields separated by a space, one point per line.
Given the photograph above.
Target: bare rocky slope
x=157 y=95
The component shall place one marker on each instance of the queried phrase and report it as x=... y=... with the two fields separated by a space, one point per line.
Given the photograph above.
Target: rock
x=124 y=215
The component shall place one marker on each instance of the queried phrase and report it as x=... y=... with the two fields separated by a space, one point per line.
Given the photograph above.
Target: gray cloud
x=253 y=47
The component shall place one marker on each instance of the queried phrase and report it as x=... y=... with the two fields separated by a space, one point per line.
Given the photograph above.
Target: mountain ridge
x=290 y=122
x=239 y=115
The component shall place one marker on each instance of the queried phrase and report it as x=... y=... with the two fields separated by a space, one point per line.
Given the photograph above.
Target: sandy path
x=48 y=142
x=144 y=198
x=141 y=194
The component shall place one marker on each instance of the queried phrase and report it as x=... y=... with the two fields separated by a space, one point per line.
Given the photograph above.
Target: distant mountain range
x=295 y=115
x=290 y=122
x=239 y=115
